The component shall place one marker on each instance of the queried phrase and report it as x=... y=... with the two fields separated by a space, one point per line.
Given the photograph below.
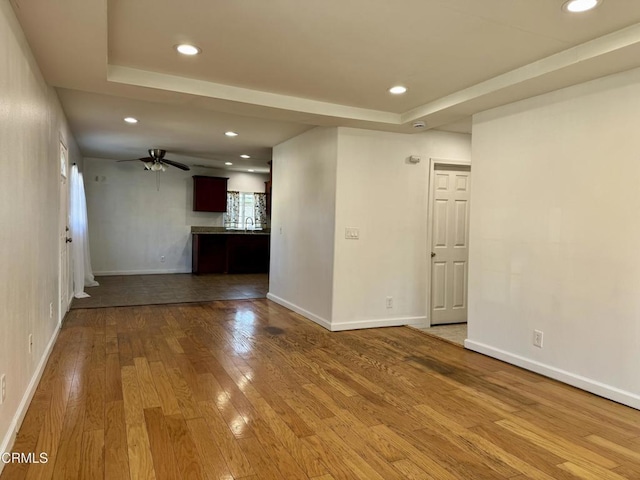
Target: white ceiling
x=273 y=69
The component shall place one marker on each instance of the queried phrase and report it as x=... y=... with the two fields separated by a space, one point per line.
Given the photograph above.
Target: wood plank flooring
x=249 y=390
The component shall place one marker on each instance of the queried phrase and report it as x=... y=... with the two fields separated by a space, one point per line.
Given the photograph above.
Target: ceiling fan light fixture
x=188 y=49
x=579 y=6
x=156 y=161
x=131 y=120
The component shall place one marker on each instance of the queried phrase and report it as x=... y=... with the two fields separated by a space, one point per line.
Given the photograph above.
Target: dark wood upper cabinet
x=267 y=191
x=209 y=194
x=267 y=188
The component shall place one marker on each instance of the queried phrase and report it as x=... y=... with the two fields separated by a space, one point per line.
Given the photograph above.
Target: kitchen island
x=218 y=250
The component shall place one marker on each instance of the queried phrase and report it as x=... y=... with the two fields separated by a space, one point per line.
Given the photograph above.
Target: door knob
x=68 y=240
x=433 y=254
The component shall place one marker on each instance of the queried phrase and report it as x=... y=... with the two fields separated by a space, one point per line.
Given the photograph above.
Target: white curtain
x=82 y=272
x=232 y=217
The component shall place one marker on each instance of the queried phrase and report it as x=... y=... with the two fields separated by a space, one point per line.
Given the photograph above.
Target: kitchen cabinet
x=267 y=188
x=209 y=194
x=209 y=254
x=248 y=253
x=228 y=252
x=267 y=191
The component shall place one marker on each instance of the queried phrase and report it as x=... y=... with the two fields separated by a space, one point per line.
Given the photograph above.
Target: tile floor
x=128 y=290
x=456 y=333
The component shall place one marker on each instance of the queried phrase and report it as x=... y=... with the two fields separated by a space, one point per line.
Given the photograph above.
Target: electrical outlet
x=162 y=259
x=3 y=388
x=30 y=342
x=538 y=337
x=389 y=302
x=51 y=310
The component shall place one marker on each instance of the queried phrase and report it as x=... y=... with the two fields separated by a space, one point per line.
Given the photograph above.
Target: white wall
x=302 y=223
x=555 y=236
x=132 y=224
x=31 y=125
x=354 y=178
x=385 y=197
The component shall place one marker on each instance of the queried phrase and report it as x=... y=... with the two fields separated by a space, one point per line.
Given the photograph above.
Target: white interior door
x=64 y=236
x=450 y=244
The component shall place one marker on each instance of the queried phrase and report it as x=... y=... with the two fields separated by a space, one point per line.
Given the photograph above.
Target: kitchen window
x=245 y=211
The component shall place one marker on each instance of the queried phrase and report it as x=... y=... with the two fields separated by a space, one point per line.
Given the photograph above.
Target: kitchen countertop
x=224 y=231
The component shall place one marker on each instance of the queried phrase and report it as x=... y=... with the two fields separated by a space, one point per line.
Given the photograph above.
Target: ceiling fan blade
x=181 y=166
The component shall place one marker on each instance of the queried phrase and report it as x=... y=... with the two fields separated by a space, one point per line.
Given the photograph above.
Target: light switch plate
x=351 y=233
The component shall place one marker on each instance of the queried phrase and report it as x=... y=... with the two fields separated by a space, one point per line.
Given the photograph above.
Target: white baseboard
x=16 y=422
x=340 y=326
x=377 y=323
x=111 y=273
x=593 y=386
x=305 y=313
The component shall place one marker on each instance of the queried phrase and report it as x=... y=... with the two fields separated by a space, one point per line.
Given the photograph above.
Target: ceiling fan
x=156 y=161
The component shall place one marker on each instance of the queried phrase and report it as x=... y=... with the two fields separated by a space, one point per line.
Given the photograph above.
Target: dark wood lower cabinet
x=209 y=254
x=230 y=253
x=248 y=253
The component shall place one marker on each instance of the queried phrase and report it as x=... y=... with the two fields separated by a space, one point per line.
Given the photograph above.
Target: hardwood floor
x=249 y=390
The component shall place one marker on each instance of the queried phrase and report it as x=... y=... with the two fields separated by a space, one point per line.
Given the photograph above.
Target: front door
x=450 y=244
x=64 y=236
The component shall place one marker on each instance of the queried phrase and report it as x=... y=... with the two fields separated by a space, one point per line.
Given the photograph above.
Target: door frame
x=430 y=183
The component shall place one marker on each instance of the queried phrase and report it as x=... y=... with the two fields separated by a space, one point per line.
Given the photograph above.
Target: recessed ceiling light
x=577 y=6
x=187 y=49
x=228 y=163
x=398 y=90
x=231 y=134
x=131 y=120
x=245 y=156
x=251 y=170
